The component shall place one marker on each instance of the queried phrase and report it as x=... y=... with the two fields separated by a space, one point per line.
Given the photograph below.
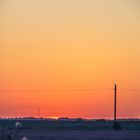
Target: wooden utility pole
x=39 y=112
x=115 y=103
x=116 y=125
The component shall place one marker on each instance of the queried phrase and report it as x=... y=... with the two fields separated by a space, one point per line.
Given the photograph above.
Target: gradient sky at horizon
x=69 y=44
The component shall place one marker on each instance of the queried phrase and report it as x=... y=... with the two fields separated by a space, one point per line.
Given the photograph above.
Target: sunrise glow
x=63 y=56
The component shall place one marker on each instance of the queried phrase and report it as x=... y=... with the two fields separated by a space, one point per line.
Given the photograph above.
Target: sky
x=63 y=57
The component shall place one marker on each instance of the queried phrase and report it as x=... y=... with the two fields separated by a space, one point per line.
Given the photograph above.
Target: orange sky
x=50 y=49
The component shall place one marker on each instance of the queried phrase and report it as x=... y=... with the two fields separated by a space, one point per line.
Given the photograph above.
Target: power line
x=54 y=90
x=137 y=90
x=69 y=90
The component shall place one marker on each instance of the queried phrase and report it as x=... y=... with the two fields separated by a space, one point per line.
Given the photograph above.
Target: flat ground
x=78 y=135
x=70 y=130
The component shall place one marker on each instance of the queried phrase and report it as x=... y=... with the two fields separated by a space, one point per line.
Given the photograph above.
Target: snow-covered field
x=61 y=130
x=77 y=135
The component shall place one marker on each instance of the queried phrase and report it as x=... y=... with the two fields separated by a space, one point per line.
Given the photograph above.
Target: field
x=69 y=130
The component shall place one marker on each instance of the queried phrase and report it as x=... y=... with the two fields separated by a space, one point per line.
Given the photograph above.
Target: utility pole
x=115 y=103
x=116 y=125
x=39 y=112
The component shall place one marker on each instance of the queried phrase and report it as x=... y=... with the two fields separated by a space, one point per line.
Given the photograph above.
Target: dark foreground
x=77 y=135
x=69 y=130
